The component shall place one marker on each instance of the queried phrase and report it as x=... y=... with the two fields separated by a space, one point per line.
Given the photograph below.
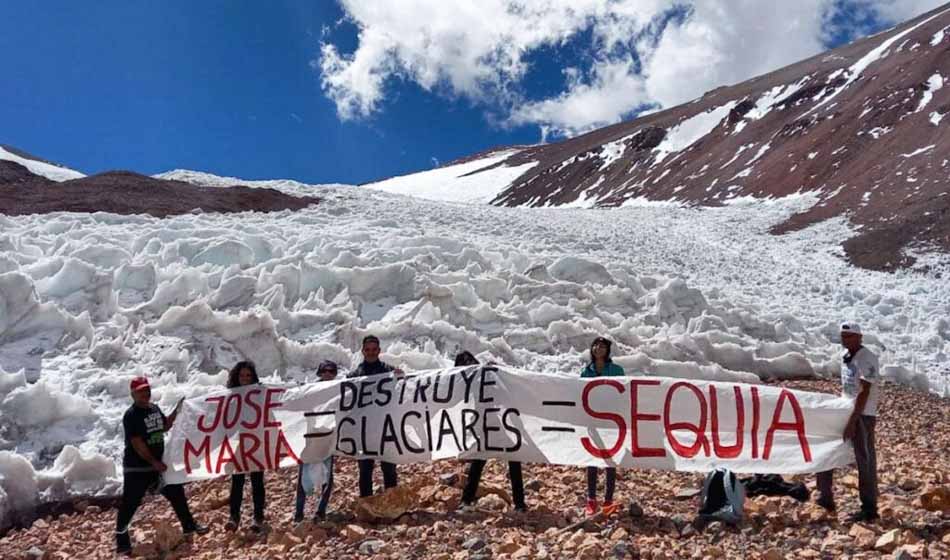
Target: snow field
x=88 y=301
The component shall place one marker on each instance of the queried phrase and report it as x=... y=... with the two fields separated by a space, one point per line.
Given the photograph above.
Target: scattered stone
x=621 y=550
x=687 y=493
x=371 y=547
x=493 y=502
x=474 y=543
x=936 y=499
x=353 y=533
x=533 y=485
x=888 y=541
x=634 y=510
x=450 y=479
x=35 y=553
x=863 y=536
x=773 y=554
x=523 y=553
x=909 y=484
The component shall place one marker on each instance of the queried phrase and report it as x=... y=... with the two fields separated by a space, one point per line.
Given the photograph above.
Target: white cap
x=852 y=328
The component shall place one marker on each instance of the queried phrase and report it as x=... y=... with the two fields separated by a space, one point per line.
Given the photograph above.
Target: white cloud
x=613 y=91
x=479 y=50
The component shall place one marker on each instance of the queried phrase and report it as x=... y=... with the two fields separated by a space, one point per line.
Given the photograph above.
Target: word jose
x=261 y=442
x=650 y=409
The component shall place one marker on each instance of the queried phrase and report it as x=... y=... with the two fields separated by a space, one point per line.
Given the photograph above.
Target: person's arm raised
x=170 y=419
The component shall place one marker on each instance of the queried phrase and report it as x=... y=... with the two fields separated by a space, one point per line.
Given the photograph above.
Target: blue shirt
x=610 y=370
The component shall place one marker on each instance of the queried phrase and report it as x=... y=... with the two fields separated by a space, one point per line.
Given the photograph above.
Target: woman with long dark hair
x=470 y=493
x=242 y=374
x=600 y=366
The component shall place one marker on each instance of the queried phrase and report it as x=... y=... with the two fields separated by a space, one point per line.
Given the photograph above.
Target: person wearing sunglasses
x=327 y=371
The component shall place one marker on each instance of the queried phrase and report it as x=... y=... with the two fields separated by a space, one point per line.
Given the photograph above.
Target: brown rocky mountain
x=123 y=192
x=865 y=126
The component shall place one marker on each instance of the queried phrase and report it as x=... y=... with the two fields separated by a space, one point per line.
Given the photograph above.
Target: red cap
x=139 y=383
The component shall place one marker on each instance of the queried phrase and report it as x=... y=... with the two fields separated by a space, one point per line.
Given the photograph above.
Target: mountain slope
x=865 y=125
x=37 y=166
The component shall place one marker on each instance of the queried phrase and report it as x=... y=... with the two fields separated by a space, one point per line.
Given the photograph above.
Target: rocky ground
x=914 y=466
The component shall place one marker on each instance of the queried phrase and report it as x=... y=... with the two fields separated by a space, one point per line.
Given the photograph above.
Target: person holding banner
x=145 y=425
x=861 y=381
x=327 y=371
x=600 y=366
x=370 y=366
x=242 y=374
x=470 y=493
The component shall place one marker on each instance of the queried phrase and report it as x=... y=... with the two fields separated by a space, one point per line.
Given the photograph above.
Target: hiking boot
x=829 y=505
x=591 y=508
x=863 y=517
x=257 y=526
x=195 y=529
x=466 y=507
x=123 y=543
x=232 y=525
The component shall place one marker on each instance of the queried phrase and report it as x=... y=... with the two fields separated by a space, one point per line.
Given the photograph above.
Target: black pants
x=865 y=456
x=611 y=476
x=134 y=488
x=470 y=494
x=367 y=466
x=257 y=493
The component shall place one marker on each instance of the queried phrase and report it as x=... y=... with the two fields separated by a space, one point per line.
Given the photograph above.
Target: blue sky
x=279 y=89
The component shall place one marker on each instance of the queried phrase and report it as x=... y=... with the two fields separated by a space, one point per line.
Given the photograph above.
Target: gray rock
x=475 y=543
x=371 y=546
x=36 y=553
x=635 y=510
x=450 y=479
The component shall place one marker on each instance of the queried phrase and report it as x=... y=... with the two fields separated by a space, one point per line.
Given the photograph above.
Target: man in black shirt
x=145 y=426
x=371 y=365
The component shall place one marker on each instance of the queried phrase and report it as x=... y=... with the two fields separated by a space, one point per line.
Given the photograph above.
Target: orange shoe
x=610 y=508
x=592 y=508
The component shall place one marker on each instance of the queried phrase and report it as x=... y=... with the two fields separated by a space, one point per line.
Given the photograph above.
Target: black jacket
x=376 y=368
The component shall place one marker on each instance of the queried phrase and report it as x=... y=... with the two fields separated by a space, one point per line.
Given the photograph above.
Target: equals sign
x=558 y=428
x=316 y=414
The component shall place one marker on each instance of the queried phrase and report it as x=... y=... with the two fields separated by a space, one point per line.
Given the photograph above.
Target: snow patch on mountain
x=688 y=132
x=465 y=182
x=48 y=170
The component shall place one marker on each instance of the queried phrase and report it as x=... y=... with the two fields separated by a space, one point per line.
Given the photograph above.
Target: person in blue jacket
x=600 y=366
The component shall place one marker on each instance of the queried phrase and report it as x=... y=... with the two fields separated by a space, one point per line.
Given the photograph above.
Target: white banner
x=505 y=413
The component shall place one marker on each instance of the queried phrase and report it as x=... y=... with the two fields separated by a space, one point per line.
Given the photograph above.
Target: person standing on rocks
x=370 y=366
x=145 y=425
x=470 y=493
x=327 y=371
x=600 y=366
x=243 y=374
x=860 y=380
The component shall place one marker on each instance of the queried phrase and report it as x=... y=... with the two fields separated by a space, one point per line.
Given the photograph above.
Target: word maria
x=261 y=444
x=453 y=412
x=650 y=410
